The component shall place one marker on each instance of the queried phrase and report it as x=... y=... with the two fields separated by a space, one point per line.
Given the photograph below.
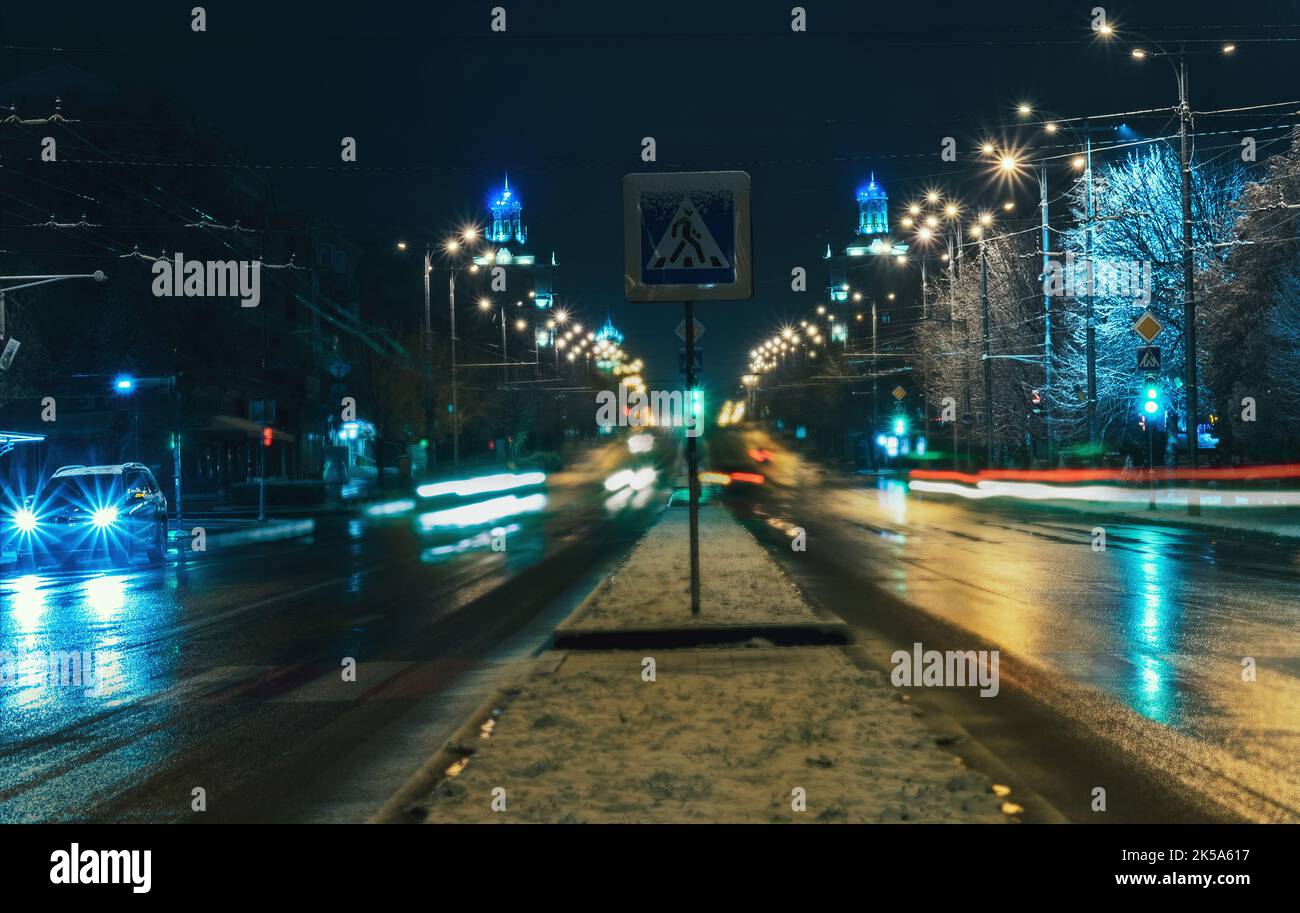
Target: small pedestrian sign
x=1148 y=327
x=686 y=236
x=698 y=360
x=1148 y=358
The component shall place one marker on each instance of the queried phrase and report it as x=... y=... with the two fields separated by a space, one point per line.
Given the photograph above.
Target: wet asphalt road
x=223 y=672
x=1137 y=651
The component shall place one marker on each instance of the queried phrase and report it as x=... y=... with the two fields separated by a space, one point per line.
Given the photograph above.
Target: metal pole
x=988 y=363
x=1189 y=291
x=925 y=310
x=875 y=382
x=692 y=463
x=428 y=358
x=1093 y=443
x=956 y=454
x=505 y=368
x=261 y=482
x=176 y=451
x=1047 y=319
x=1151 y=467
x=455 y=402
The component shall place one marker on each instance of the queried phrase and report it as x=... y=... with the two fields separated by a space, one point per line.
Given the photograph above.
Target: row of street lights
x=560 y=333
x=1009 y=162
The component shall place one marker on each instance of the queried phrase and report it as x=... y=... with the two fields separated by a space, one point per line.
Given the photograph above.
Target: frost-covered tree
x=1252 y=318
x=1136 y=224
x=951 y=347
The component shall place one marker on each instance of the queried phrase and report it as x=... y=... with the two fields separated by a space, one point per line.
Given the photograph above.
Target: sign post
x=692 y=461
x=686 y=237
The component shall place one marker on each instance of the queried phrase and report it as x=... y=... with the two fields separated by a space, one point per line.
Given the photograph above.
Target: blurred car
x=114 y=512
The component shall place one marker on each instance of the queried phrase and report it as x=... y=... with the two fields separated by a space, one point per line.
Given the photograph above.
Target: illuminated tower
x=507 y=217
x=609 y=332
x=873 y=209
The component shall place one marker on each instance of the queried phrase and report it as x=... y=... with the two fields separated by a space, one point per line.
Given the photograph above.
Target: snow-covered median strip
x=739 y=583
x=741 y=735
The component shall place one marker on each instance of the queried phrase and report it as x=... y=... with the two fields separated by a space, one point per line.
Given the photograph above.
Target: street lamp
x=468 y=235
x=1189 y=291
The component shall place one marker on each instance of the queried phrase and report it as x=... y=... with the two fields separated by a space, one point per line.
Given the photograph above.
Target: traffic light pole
x=1151 y=467
x=692 y=458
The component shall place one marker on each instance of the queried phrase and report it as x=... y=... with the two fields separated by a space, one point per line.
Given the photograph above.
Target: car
x=113 y=512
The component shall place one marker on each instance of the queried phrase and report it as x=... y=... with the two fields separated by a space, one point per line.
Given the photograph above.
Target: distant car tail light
x=752 y=477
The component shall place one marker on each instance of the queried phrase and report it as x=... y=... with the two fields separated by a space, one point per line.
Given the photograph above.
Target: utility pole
x=925 y=307
x=1093 y=443
x=455 y=402
x=875 y=370
x=1189 y=292
x=988 y=363
x=505 y=367
x=1047 y=318
x=428 y=357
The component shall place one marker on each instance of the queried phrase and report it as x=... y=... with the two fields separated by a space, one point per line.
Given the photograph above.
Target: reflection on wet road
x=124 y=690
x=1160 y=621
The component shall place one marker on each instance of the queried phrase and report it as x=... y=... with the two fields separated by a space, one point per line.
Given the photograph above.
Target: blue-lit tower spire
x=507 y=216
x=873 y=209
x=608 y=332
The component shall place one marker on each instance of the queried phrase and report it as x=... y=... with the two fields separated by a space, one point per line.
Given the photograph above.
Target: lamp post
x=466 y=236
x=469 y=235
x=1084 y=162
x=988 y=362
x=1189 y=291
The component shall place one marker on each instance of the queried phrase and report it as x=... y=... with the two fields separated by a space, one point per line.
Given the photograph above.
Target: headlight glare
x=104 y=517
x=25 y=520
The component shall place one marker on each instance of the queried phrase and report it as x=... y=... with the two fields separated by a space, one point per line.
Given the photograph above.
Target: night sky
x=442 y=107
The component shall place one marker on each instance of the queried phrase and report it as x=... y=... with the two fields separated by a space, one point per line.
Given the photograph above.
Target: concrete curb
x=793 y=634
x=403 y=806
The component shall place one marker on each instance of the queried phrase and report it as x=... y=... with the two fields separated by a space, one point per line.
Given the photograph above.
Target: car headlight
x=25 y=520
x=104 y=517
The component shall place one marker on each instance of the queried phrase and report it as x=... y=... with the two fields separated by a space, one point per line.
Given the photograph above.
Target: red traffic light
x=268 y=434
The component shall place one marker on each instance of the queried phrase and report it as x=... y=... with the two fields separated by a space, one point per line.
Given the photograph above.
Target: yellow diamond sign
x=1148 y=327
x=899 y=393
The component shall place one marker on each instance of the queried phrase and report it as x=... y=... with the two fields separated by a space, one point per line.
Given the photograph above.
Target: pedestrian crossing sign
x=686 y=236
x=1148 y=358
x=687 y=244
